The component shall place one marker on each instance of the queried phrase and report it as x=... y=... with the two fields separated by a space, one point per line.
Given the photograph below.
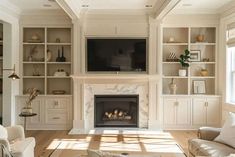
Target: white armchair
x=14 y=141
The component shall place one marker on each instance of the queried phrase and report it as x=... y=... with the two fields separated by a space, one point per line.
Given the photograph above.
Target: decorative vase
x=58 y=57
x=200 y=38
x=30 y=58
x=204 y=72
x=182 y=72
x=49 y=55
x=62 y=58
x=27 y=110
x=172 y=87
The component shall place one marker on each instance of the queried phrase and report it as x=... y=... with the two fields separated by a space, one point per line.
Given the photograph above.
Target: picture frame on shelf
x=199 y=87
x=195 y=56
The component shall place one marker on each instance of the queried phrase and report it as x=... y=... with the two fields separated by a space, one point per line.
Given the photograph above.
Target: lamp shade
x=14 y=76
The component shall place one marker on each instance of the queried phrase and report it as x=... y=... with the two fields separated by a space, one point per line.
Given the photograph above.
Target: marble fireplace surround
x=86 y=87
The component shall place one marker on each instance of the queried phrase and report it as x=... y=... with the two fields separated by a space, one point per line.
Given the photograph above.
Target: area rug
x=149 y=144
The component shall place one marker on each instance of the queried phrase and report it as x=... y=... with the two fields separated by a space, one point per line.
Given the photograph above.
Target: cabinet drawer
x=56 y=117
x=56 y=104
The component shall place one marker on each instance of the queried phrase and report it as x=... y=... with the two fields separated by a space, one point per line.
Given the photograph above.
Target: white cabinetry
x=206 y=111
x=53 y=112
x=177 y=112
x=191 y=112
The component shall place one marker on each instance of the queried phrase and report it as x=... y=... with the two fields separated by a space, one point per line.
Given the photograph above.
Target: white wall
x=227 y=18
x=10 y=57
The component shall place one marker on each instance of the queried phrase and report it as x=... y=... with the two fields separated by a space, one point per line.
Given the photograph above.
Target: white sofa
x=14 y=141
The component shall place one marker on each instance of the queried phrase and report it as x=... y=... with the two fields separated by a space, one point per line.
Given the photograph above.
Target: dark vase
x=62 y=58
x=58 y=57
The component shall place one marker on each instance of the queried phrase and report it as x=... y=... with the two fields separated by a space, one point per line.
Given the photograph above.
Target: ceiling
x=26 y=5
x=200 y=6
x=184 y=6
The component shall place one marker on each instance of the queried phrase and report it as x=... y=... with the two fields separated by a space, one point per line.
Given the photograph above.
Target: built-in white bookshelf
x=176 y=40
x=42 y=68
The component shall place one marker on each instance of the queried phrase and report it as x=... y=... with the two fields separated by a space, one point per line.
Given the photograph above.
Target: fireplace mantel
x=116 y=76
x=88 y=85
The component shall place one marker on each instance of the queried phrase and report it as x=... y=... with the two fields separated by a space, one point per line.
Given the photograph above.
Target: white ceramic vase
x=49 y=55
x=182 y=72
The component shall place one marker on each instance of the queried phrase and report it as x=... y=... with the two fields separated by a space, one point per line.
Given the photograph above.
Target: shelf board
x=1 y=57
x=26 y=43
x=33 y=77
x=175 y=44
x=33 y=62
x=170 y=62
x=202 y=62
x=189 y=63
x=58 y=77
x=202 y=77
x=198 y=43
x=183 y=77
x=1 y=41
x=58 y=62
x=59 y=44
x=193 y=95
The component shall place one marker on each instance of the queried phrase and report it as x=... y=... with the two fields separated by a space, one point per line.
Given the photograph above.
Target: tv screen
x=104 y=55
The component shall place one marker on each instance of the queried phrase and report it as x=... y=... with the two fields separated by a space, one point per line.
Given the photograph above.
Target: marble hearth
x=86 y=87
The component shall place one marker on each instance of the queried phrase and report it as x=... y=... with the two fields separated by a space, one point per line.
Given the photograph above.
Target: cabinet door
x=36 y=106
x=169 y=111
x=213 y=111
x=57 y=111
x=183 y=111
x=199 y=111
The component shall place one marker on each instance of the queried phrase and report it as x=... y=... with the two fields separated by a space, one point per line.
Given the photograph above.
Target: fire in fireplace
x=116 y=110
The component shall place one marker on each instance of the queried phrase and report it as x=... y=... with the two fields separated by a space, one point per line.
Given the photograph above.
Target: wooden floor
x=46 y=140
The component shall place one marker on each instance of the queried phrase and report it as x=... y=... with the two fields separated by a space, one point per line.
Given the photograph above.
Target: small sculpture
x=172 y=86
x=172 y=57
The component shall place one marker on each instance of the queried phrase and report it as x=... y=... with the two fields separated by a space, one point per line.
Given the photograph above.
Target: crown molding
x=164 y=7
x=71 y=7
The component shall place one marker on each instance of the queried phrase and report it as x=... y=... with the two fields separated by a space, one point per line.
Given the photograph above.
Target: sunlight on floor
x=113 y=141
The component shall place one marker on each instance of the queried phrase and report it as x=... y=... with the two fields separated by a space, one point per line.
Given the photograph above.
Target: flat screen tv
x=113 y=55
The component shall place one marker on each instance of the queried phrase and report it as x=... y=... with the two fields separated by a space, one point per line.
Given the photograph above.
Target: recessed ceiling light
x=46 y=5
x=85 y=5
x=187 y=5
x=148 y=6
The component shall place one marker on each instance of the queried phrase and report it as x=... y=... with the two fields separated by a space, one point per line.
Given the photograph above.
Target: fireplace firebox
x=116 y=110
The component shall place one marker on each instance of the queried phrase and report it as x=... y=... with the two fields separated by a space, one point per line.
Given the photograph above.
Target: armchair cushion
x=15 y=133
x=3 y=132
x=199 y=147
x=208 y=133
x=23 y=148
x=16 y=143
x=227 y=134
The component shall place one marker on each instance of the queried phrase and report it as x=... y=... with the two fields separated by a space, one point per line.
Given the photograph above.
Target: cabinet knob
x=56 y=118
x=56 y=103
x=176 y=103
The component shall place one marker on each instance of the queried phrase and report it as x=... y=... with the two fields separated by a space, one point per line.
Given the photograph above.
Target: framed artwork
x=199 y=86
x=195 y=55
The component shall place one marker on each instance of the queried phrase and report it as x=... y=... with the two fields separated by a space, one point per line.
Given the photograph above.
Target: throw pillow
x=3 y=132
x=227 y=134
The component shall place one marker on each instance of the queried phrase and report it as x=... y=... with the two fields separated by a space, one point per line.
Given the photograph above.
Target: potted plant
x=184 y=61
x=33 y=93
